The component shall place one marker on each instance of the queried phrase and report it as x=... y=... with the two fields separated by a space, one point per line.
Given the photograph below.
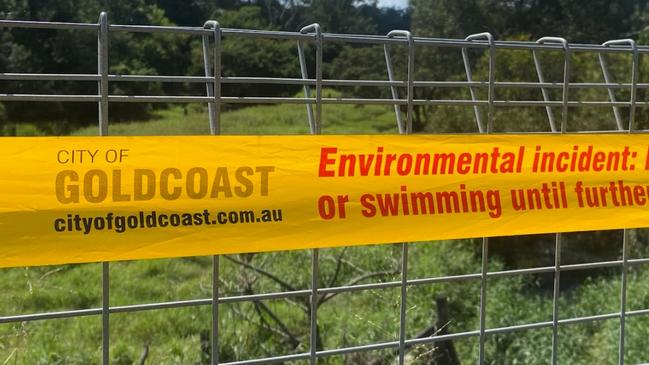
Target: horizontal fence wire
x=212 y=36
x=321 y=291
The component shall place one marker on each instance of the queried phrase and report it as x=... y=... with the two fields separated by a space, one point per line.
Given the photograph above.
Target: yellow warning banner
x=81 y=199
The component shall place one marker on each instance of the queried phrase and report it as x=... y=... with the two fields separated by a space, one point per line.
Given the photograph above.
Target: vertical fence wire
x=625 y=237
x=105 y=308
x=558 y=236
x=489 y=129
x=313 y=319
x=102 y=68
x=623 y=289
x=483 y=299
x=407 y=130
x=318 y=77
x=411 y=81
x=213 y=88
x=214 y=355
x=315 y=127
x=394 y=91
x=215 y=128
x=555 y=298
x=315 y=121
x=620 y=126
x=214 y=109
x=472 y=89
x=544 y=90
x=625 y=233
x=403 y=303
x=304 y=71
x=608 y=78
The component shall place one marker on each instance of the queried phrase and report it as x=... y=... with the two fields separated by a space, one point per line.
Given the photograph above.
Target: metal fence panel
x=211 y=34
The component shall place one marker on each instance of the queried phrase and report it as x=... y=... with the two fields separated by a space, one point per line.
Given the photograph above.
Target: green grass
x=264 y=119
x=349 y=319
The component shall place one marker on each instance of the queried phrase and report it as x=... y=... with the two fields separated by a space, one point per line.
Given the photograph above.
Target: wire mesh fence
x=402 y=83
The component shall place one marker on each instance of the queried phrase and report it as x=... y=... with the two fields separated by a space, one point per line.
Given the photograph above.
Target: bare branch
x=52 y=272
x=348 y=263
x=259 y=306
x=292 y=339
x=339 y=262
x=261 y=323
x=263 y=272
x=355 y=281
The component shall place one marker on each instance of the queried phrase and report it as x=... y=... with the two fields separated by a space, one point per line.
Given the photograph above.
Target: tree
x=61 y=51
x=252 y=57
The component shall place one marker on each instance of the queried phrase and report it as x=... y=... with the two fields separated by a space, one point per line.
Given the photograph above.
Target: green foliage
x=524 y=20
x=451 y=19
x=255 y=57
x=598 y=21
x=49 y=51
x=342 y=16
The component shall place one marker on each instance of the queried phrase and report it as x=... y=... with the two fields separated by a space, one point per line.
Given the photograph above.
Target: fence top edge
x=351 y=38
x=4 y=23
